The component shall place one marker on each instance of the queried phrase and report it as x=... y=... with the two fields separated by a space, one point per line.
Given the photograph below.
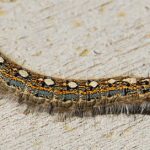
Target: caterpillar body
x=71 y=97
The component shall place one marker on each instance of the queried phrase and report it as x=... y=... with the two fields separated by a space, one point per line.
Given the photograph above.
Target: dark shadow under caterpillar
x=71 y=97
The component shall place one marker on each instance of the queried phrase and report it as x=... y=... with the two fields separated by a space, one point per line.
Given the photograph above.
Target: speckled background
x=75 y=39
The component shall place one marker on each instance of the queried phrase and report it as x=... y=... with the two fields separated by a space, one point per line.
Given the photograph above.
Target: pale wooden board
x=75 y=39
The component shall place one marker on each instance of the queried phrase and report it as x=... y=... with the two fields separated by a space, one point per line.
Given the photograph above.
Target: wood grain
x=75 y=39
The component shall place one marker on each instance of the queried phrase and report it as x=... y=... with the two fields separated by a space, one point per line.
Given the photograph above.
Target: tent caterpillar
x=76 y=97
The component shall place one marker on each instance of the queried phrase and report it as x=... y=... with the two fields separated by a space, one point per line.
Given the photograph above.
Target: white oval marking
x=49 y=82
x=23 y=73
x=111 y=81
x=40 y=79
x=93 y=84
x=1 y=60
x=72 y=84
x=146 y=80
x=130 y=80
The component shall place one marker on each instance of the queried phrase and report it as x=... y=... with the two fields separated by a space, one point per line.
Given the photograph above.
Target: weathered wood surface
x=75 y=39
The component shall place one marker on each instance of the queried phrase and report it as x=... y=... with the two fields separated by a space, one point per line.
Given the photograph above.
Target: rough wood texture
x=75 y=39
